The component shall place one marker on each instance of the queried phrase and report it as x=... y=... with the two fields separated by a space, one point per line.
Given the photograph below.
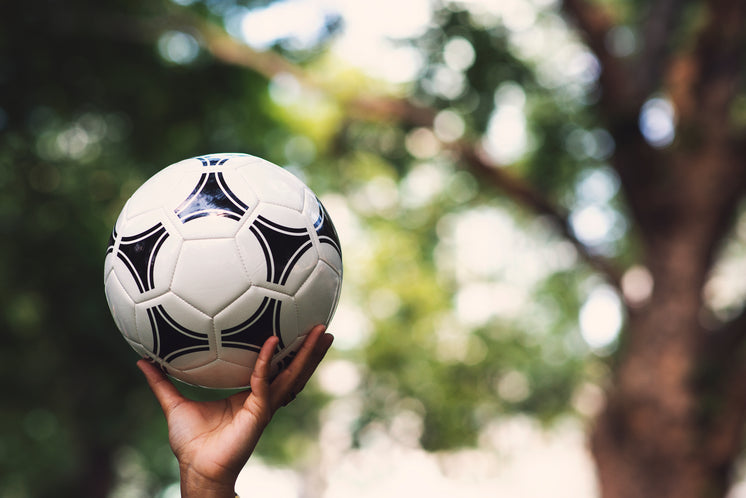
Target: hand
x=213 y=440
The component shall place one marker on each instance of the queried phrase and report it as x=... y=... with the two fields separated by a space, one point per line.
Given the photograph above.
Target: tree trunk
x=662 y=433
x=676 y=406
x=646 y=442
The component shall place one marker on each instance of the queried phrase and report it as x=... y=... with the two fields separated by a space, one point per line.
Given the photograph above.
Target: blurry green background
x=463 y=303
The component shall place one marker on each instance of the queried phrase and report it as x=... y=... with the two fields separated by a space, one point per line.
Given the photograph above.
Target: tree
x=674 y=417
x=88 y=98
x=674 y=414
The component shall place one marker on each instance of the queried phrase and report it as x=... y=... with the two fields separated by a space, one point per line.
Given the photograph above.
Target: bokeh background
x=537 y=200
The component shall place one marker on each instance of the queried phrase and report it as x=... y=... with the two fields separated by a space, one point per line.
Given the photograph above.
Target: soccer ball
x=212 y=256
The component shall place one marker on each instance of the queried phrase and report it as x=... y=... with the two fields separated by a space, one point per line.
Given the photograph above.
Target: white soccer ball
x=213 y=255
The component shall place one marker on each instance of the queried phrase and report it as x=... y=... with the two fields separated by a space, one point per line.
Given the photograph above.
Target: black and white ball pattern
x=212 y=256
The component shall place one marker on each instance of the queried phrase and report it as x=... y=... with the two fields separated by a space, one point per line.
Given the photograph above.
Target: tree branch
x=525 y=195
x=620 y=103
x=718 y=54
x=702 y=79
x=212 y=37
x=230 y=51
x=594 y=23
x=384 y=109
x=662 y=19
x=381 y=109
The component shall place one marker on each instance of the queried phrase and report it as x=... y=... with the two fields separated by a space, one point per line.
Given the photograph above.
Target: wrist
x=196 y=485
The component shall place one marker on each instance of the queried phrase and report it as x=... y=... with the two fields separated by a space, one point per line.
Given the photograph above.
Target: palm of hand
x=215 y=437
x=212 y=440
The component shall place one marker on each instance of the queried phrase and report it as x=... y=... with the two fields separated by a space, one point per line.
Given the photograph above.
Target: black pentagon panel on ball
x=282 y=246
x=170 y=339
x=325 y=229
x=211 y=197
x=110 y=244
x=260 y=326
x=285 y=362
x=138 y=253
x=216 y=159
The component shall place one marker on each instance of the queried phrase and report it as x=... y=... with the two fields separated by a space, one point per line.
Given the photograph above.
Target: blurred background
x=539 y=207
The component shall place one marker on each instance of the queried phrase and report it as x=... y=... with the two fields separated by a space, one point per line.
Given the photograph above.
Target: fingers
x=291 y=381
x=261 y=376
x=165 y=392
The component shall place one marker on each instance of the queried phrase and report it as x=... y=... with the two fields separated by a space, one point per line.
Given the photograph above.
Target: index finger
x=261 y=376
x=293 y=379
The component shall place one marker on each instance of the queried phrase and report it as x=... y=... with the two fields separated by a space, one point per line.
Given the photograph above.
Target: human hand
x=212 y=440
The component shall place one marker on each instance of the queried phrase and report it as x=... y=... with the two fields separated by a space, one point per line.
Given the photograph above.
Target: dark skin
x=213 y=440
